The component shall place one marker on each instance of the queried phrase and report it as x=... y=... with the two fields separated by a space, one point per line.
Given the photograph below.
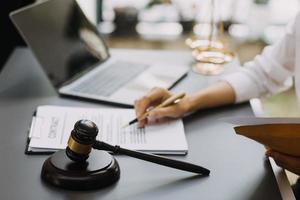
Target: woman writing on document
x=269 y=73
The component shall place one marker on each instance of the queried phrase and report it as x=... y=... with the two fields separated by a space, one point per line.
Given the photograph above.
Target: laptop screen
x=64 y=41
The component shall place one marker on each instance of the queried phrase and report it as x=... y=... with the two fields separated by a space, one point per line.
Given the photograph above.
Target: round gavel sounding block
x=78 y=168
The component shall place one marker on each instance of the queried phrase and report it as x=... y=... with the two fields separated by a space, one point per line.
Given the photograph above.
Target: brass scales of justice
x=211 y=53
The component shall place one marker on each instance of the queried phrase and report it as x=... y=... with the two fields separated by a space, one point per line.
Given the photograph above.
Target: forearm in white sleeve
x=270 y=72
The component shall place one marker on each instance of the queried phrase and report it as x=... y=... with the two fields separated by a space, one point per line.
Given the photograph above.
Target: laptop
x=76 y=59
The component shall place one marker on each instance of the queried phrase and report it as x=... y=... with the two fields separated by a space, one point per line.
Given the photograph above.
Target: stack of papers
x=51 y=127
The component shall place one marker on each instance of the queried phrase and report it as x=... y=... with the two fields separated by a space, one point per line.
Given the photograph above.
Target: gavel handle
x=152 y=158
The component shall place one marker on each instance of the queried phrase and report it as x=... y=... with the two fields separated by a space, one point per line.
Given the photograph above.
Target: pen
x=170 y=101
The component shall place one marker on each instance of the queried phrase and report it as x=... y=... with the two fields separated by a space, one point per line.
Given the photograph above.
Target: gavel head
x=81 y=140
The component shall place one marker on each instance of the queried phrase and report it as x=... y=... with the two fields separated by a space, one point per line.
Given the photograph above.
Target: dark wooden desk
x=238 y=166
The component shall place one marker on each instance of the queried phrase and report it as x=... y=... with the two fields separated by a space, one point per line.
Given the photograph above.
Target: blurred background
x=166 y=24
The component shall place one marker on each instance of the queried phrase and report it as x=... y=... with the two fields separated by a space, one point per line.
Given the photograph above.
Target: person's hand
x=155 y=97
x=288 y=162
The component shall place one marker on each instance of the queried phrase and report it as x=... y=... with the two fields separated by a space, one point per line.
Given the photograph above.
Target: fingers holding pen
x=174 y=111
x=140 y=107
x=153 y=98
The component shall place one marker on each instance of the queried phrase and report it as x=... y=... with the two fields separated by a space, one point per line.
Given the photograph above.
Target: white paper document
x=52 y=125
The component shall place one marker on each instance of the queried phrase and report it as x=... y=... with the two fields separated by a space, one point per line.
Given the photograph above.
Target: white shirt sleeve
x=270 y=72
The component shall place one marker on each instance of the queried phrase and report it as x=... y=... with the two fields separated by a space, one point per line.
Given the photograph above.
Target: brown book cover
x=284 y=138
x=280 y=134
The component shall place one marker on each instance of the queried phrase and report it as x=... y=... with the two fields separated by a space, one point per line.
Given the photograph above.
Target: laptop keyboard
x=106 y=82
